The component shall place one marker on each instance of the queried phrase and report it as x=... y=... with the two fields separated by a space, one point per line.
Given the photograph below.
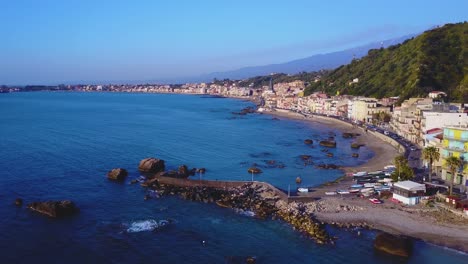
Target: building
x=408 y=192
x=455 y=143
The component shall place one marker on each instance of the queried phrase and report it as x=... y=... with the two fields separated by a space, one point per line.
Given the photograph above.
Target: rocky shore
x=257 y=198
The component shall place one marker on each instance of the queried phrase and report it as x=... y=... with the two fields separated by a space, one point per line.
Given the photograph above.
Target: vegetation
x=453 y=164
x=402 y=172
x=435 y=60
x=260 y=81
x=431 y=154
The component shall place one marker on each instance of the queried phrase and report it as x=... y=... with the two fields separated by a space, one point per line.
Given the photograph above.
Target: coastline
x=431 y=225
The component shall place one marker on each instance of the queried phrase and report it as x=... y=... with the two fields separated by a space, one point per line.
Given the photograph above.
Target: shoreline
x=432 y=226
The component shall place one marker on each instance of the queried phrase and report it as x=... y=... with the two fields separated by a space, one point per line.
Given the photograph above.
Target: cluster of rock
x=328 y=143
x=151 y=165
x=254 y=197
x=308 y=141
x=355 y=145
x=54 y=209
x=350 y=135
x=118 y=174
x=327 y=166
x=393 y=245
x=247 y=110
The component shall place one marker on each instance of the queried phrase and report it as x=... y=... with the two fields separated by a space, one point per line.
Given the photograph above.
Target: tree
x=453 y=164
x=431 y=154
x=402 y=172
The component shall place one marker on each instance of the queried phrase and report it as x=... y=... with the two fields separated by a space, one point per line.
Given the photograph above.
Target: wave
x=147 y=225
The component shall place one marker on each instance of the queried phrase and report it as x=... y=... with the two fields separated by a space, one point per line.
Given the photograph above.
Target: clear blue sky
x=50 y=42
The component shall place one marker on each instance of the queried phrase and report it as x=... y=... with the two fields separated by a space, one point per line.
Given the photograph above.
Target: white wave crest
x=146 y=225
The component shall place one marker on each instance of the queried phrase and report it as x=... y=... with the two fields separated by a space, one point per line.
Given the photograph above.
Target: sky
x=52 y=42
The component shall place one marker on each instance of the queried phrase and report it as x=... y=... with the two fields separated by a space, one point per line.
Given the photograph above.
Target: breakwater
x=260 y=198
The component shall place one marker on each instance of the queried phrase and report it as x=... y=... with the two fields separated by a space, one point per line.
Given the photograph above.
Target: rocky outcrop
x=151 y=165
x=308 y=141
x=350 y=135
x=258 y=199
x=254 y=170
x=247 y=110
x=54 y=209
x=393 y=245
x=184 y=172
x=327 y=166
x=298 y=180
x=305 y=157
x=357 y=145
x=118 y=174
x=19 y=202
x=328 y=143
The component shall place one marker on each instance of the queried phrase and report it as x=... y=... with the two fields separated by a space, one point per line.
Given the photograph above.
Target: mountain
x=435 y=60
x=313 y=63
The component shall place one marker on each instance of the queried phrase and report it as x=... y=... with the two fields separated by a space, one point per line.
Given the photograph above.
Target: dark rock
x=54 y=208
x=254 y=170
x=327 y=166
x=356 y=145
x=18 y=202
x=151 y=165
x=306 y=157
x=393 y=245
x=133 y=181
x=118 y=174
x=308 y=141
x=350 y=135
x=328 y=143
x=247 y=110
x=355 y=155
x=329 y=154
x=183 y=172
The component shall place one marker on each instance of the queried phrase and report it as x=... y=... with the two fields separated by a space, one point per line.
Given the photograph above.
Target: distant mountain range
x=309 y=64
x=435 y=60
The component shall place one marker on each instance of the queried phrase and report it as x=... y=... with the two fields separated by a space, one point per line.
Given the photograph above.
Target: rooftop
x=410 y=185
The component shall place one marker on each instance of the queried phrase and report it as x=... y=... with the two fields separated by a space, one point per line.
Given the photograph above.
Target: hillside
x=435 y=60
x=313 y=63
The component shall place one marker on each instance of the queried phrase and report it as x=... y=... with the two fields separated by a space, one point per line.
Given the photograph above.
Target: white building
x=408 y=192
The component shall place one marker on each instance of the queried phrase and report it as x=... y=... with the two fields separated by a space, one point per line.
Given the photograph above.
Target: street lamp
x=252 y=176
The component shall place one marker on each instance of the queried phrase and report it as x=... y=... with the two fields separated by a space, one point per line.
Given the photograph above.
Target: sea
x=60 y=145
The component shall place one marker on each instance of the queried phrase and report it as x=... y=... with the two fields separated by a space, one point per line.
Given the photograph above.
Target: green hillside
x=435 y=60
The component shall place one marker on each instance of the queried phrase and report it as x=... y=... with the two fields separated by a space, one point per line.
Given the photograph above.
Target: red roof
x=434 y=131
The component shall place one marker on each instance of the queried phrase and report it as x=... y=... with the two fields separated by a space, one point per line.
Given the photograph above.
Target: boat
x=369 y=185
x=353 y=190
x=303 y=190
x=342 y=191
x=360 y=173
x=366 y=190
x=375 y=201
x=330 y=193
x=357 y=186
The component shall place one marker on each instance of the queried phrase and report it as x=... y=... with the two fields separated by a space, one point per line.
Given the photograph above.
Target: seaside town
x=430 y=135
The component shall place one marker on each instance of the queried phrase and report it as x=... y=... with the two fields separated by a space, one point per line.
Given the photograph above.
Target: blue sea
x=60 y=145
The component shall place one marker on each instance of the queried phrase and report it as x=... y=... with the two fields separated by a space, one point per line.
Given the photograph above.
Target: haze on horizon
x=51 y=42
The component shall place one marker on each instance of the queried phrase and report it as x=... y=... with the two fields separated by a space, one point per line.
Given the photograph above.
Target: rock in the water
x=298 y=180
x=308 y=141
x=329 y=154
x=18 y=202
x=254 y=170
x=306 y=157
x=394 y=245
x=151 y=165
x=355 y=155
x=183 y=172
x=54 y=208
x=350 y=135
x=356 y=145
x=117 y=174
x=328 y=143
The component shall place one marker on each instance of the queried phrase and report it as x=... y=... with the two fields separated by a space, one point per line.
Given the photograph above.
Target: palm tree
x=431 y=154
x=453 y=164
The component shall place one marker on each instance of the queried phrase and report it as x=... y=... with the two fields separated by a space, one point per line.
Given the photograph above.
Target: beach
x=430 y=224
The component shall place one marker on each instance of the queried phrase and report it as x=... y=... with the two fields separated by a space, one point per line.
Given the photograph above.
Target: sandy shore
x=432 y=225
x=383 y=153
